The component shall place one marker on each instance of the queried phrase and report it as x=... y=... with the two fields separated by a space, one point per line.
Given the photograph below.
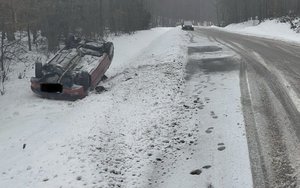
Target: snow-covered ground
x=152 y=128
x=269 y=29
x=215 y=117
x=128 y=47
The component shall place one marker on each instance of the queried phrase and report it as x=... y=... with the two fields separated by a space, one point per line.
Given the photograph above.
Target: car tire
x=109 y=49
x=85 y=80
x=38 y=70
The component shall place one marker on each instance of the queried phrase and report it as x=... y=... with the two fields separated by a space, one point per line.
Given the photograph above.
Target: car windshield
x=150 y=93
x=187 y=23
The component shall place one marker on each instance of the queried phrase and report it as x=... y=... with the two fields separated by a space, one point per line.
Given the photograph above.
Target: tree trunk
x=217 y=12
x=34 y=36
x=29 y=37
x=12 y=25
x=2 y=51
x=2 y=72
x=52 y=42
x=101 y=28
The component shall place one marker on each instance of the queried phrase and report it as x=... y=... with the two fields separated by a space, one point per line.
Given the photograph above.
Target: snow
x=272 y=29
x=64 y=57
x=218 y=123
x=139 y=133
x=281 y=77
x=129 y=47
x=88 y=63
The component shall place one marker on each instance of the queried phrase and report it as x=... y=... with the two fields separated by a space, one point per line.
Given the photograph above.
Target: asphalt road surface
x=270 y=88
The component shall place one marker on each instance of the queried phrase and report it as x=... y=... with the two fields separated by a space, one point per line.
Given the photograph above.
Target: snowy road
x=171 y=117
x=270 y=77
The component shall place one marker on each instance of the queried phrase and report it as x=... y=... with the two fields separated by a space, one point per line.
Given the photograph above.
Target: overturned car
x=74 y=70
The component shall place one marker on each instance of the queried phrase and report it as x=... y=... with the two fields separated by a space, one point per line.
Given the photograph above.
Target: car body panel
x=98 y=73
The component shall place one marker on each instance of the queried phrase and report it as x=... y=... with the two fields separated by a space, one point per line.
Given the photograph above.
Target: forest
x=56 y=19
x=222 y=12
x=170 y=12
x=234 y=11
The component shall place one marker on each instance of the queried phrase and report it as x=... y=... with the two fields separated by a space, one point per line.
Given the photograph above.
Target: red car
x=73 y=71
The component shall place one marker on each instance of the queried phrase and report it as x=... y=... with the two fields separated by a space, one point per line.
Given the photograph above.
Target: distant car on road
x=74 y=70
x=187 y=25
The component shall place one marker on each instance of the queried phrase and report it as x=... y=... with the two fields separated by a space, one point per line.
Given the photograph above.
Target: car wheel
x=109 y=49
x=85 y=80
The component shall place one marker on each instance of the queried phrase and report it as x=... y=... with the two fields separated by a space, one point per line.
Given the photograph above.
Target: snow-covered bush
x=293 y=21
x=16 y=59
